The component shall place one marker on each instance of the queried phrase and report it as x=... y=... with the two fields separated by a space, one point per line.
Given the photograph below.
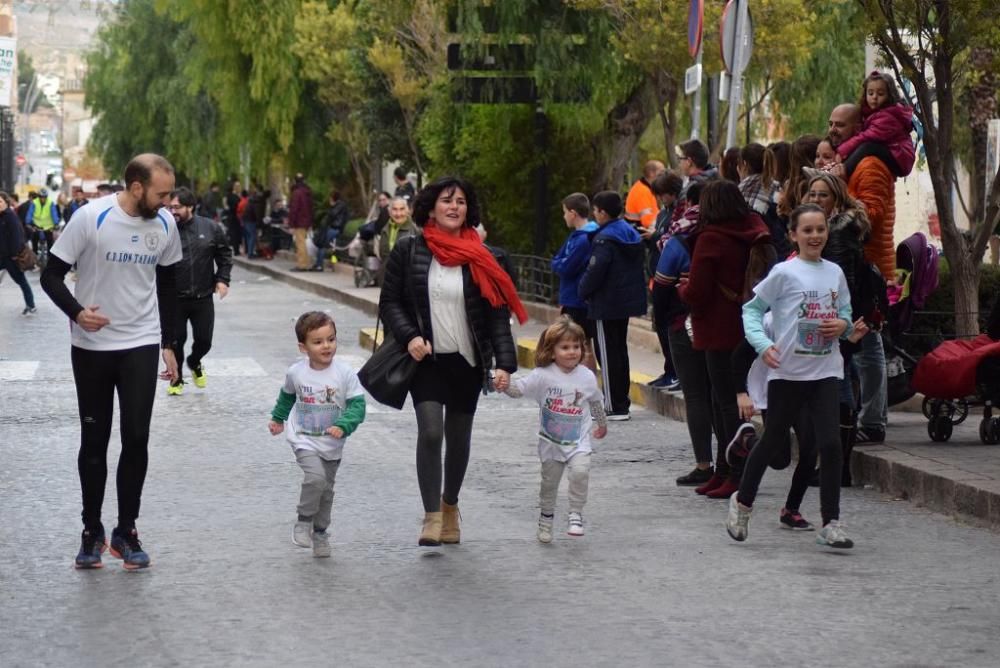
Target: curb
x=303 y=282
x=936 y=486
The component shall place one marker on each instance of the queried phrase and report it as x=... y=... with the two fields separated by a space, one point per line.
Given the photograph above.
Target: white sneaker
x=738 y=519
x=302 y=534
x=321 y=544
x=544 y=529
x=575 y=524
x=833 y=535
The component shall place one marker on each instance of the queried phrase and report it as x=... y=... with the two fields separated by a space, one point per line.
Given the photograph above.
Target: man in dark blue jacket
x=614 y=287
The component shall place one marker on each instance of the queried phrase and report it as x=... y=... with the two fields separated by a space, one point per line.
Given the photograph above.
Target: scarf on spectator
x=493 y=282
x=757 y=196
x=686 y=222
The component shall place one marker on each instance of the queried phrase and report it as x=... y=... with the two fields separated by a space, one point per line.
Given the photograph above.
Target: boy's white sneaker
x=321 y=544
x=545 y=529
x=738 y=519
x=575 y=524
x=302 y=534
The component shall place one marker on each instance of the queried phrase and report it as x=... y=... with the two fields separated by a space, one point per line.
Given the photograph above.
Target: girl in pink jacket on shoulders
x=886 y=131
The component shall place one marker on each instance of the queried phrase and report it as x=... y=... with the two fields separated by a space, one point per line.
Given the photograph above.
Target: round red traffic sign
x=21 y=161
x=696 y=20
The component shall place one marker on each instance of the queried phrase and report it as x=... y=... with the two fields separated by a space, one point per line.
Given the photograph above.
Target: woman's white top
x=449 y=321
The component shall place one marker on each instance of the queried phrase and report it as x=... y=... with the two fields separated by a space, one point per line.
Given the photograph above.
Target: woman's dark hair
x=728 y=166
x=753 y=156
x=5 y=197
x=777 y=158
x=609 y=202
x=668 y=183
x=693 y=194
x=801 y=210
x=722 y=201
x=423 y=203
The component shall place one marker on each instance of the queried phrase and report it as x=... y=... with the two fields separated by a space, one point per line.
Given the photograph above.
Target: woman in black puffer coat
x=447 y=299
x=849 y=229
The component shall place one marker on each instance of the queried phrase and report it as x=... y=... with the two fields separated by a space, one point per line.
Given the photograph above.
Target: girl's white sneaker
x=575 y=524
x=544 y=529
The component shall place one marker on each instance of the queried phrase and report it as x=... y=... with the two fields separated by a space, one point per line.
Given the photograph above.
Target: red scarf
x=493 y=282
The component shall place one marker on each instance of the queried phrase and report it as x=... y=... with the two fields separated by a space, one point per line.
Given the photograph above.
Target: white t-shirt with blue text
x=116 y=256
x=564 y=399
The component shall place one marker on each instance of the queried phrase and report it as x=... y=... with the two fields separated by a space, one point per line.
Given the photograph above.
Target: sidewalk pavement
x=959 y=478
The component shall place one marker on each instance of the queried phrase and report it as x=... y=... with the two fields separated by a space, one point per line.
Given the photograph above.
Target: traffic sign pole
x=696 y=105
x=738 y=65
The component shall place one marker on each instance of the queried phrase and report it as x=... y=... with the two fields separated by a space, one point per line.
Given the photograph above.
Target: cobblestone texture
x=655 y=582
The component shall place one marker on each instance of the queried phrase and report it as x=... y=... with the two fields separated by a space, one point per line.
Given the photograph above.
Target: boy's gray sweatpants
x=316 y=498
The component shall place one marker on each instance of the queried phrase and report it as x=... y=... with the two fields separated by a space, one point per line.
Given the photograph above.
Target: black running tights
x=98 y=374
x=434 y=424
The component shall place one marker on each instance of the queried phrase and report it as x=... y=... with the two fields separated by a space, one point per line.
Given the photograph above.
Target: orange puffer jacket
x=874 y=186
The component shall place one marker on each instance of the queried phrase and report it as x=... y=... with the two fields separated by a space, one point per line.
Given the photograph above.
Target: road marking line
x=18 y=370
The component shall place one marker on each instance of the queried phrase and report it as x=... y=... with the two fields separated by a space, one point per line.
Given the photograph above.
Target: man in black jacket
x=204 y=270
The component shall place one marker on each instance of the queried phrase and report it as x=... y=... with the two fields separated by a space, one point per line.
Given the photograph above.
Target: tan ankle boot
x=450 y=532
x=431 y=534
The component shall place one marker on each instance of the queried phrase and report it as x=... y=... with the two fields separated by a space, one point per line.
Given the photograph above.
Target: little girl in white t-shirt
x=570 y=402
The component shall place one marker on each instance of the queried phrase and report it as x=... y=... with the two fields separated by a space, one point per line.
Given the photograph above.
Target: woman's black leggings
x=435 y=423
x=98 y=374
x=788 y=401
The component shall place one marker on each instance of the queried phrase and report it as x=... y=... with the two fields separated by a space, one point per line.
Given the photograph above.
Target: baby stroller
x=916 y=280
x=363 y=250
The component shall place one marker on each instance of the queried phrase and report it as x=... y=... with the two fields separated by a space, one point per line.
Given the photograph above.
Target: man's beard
x=144 y=210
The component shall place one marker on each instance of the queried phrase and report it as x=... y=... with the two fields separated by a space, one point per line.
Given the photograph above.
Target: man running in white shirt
x=125 y=246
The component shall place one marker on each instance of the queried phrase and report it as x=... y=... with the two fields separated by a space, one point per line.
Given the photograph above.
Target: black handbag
x=388 y=372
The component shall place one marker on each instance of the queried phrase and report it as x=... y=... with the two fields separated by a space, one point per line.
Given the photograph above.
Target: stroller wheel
x=959 y=411
x=939 y=428
x=928 y=408
x=989 y=430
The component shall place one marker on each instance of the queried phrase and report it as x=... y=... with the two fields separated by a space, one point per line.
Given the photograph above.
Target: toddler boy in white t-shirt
x=324 y=402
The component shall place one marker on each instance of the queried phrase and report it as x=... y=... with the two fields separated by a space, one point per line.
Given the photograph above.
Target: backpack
x=762 y=258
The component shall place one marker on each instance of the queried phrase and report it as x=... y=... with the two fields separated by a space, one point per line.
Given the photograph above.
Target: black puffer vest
x=406 y=289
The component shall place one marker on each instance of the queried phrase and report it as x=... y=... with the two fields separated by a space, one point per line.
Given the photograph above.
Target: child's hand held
x=600 y=432
x=275 y=427
x=336 y=432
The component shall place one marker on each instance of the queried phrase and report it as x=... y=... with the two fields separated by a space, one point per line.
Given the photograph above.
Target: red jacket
x=300 y=209
x=720 y=258
x=890 y=126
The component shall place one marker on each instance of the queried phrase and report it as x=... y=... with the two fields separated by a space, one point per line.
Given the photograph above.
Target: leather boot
x=450 y=532
x=431 y=534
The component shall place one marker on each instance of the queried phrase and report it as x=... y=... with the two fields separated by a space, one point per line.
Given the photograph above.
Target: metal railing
x=535 y=279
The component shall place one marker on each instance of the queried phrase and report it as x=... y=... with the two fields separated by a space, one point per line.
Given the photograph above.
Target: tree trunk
x=981 y=98
x=624 y=125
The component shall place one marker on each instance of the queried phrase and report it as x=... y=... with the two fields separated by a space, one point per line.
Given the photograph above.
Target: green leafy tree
x=930 y=43
x=25 y=75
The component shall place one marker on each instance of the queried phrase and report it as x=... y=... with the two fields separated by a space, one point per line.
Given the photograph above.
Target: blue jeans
x=250 y=237
x=18 y=277
x=324 y=248
x=870 y=363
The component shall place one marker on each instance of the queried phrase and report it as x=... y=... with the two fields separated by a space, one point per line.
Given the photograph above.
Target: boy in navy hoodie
x=570 y=263
x=614 y=287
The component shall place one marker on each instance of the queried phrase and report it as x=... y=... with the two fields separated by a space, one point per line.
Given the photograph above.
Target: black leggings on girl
x=98 y=374
x=787 y=402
